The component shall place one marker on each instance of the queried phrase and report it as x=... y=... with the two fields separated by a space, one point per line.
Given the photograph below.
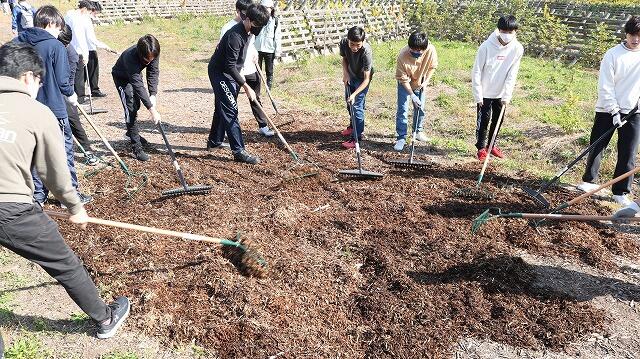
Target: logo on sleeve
x=7 y=136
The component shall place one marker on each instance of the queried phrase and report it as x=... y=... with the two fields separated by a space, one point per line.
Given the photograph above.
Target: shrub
x=599 y=41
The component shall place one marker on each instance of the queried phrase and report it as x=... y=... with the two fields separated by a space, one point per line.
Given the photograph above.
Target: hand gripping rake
x=476 y=192
x=131 y=176
x=410 y=163
x=290 y=117
x=537 y=195
x=487 y=215
x=251 y=260
x=194 y=190
x=357 y=173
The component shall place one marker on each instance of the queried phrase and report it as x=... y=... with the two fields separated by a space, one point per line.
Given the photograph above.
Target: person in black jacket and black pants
x=128 y=80
x=226 y=80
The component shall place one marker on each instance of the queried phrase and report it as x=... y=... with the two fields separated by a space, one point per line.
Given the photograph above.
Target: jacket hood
x=34 y=35
x=9 y=84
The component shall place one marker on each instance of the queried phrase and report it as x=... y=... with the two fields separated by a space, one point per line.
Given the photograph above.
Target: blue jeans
x=225 y=113
x=41 y=192
x=404 y=101
x=358 y=105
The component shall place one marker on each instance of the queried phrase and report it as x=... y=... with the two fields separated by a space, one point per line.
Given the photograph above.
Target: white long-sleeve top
x=84 y=37
x=249 y=66
x=270 y=38
x=496 y=69
x=619 y=80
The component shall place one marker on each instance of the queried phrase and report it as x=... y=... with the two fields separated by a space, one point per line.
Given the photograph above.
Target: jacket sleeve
x=73 y=64
x=61 y=68
x=278 y=39
x=92 y=39
x=510 y=82
x=50 y=161
x=153 y=75
x=476 y=74
x=231 y=53
x=401 y=73
x=606 y=84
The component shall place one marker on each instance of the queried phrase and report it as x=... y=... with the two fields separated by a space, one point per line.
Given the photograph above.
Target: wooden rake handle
x=491 y=143
x=135 y=227
x=574 y=217
x=606 y=184
x=104 y=139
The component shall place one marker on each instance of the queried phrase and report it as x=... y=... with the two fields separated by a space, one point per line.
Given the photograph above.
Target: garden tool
x=93 y=172
x=410 y=162
x=185 y=189
x=92 y=111
x=497 y=213
x=289 y=117
x=251 y=260
x=131 y=176
x=476 y=192
x=358 y=173
x=537 y=195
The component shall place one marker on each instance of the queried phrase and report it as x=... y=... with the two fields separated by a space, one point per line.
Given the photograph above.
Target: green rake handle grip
x=164 y=232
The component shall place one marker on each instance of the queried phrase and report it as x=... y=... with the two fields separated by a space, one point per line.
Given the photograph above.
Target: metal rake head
x=473 y=193
x=485 y=217
x=537 y=197
x=361 y=174
x=301 y=169
x=133 y=177
x=189 y=190
x=412 y=165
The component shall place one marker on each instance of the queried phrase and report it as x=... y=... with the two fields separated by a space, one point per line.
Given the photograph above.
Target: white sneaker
x=622 y=199
x=266 y=131
x=399 y=146
x=422 y=137
x=587 y=186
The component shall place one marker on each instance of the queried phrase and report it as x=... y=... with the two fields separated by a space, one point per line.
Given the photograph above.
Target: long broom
x=251 y=260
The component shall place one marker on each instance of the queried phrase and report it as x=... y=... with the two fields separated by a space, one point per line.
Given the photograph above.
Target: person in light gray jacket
x=269 y=42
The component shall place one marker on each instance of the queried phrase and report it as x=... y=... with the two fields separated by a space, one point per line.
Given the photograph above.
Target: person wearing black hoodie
x=128 y=80
x=226 y=80
x=56 y=89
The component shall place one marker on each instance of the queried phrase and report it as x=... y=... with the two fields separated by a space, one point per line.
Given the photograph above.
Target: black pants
x=268 y=59
x=131 y=105
x=94 y=71
x=628 y=139
x=253 y=80
x=77 y=129
x=78 y=84
x=225 y=114
x=489 y=112
x=28 y=232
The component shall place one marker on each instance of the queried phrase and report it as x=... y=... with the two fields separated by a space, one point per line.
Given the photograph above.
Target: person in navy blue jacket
x=56 y=88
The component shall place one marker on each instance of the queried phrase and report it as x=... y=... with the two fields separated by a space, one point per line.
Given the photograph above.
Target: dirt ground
x=356 y=269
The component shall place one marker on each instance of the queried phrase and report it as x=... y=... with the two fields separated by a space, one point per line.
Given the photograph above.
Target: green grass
x=79 y=317
x=27 y=346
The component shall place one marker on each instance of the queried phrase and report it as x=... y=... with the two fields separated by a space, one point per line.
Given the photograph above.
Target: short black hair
x=258 y=14
x=507 y=23
x=356 y=34
x=48 y=15
x=148 y=44
x=632 y=27
x=87 y=4
x=418 y=40
x=65 y=35
x=98 y=6
x=243 y=5
x=18 y=58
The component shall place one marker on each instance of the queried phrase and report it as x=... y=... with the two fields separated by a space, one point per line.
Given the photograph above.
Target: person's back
x=22 y=17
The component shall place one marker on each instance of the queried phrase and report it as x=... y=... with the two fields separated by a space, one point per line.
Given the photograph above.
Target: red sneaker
x=347 y=131
x=495 y=151
x=349 y=144
x=482 y=154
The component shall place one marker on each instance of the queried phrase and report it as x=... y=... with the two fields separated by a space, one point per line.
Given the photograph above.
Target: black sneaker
x=244 y=156
x=98 y=93
x=82 y=99
x=219 y=146
x=140 y=155
x=90 y=159
x=119 y=312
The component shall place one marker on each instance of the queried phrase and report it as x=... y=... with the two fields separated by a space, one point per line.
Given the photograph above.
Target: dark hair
x=48 y=15
x=258 y=14
x=87 y=4
x=147 y=45
x=18 y=58
x=418 y=40
x=632 y=27
x=65 y=35
x=98 y=6
x=356 y=34
x=507 y=23
x=243 y=5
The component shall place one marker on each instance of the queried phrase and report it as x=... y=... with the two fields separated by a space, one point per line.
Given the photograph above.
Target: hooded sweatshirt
x=55 y=84
x=270 y=38
x=619 y=80
x=412 y=70
x=30 y=137
x=496 y=69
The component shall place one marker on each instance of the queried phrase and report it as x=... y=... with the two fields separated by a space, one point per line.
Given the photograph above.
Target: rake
x=494 y=213
x=250 y=260
x=537 y=195
x=93 y=172
x=290 y=119
x=358 y=173
x=410 y=163
x=92 y=111
x=185 y=189
x=131 y=176
x=476 y=192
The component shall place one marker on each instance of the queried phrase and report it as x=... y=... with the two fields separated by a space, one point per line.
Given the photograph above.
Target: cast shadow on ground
x=508 y=274
x=150 y=127
x=34 y=323
x=193 y=90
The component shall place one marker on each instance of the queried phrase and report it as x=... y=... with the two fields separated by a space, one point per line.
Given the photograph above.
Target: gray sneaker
x=90 y=159
x=244 y=156
x=119 y=312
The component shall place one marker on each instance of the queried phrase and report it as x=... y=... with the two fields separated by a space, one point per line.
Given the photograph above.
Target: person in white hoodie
x=618 y=94
x=493 y=79
x=269 y=41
